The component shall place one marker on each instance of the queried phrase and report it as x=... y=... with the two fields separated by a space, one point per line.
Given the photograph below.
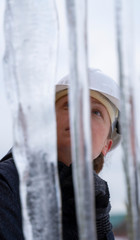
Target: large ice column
x=30 y=60
x=80 y=118
x=127 y=74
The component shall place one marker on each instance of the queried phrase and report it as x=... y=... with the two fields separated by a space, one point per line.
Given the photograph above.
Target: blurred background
x=102 y=54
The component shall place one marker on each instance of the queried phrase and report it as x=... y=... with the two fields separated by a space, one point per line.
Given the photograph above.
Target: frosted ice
x=30 y=61
x=79 y=117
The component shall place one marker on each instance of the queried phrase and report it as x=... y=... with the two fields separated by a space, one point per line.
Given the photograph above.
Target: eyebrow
x=96 y=101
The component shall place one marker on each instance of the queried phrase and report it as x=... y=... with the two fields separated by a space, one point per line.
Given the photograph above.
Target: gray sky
x=102 y=55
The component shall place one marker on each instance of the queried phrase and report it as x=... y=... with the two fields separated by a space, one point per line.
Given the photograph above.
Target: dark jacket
x=10 y=208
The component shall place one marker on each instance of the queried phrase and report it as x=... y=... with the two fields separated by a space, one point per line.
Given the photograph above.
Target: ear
x=107 y=146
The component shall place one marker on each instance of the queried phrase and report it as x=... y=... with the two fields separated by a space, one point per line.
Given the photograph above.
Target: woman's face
x=100 y=126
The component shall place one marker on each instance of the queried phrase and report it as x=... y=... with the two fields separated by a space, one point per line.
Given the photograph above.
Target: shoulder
x=8 y=172
x=101 y=185
x=10 y=208
x=102 y=197
x=103 y=207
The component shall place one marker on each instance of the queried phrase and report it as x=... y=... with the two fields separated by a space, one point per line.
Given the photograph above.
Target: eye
x=96 y=112
x=66 y=105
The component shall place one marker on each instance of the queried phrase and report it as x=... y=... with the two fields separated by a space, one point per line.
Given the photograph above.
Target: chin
x=94 y=156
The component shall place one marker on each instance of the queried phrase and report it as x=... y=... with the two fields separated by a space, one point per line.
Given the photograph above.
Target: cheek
x=95 y=131
x=59 y=124
x=95 y=142
x=99 y=131
x=99 y=136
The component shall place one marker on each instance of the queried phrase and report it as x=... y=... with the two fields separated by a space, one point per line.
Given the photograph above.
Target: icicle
x=30 y=62
x=80 y=119
x=128 y=122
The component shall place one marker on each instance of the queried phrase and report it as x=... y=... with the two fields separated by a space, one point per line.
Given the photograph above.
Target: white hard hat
x=106 y=86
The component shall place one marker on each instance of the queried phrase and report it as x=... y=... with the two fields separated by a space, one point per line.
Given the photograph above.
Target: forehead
x=65 y=98
x=93 y=103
